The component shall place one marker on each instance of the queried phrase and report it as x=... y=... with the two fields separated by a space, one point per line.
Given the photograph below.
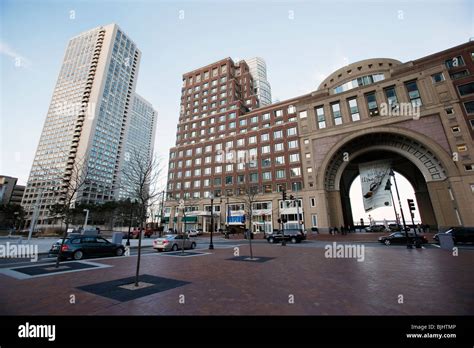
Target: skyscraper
x=139 y=142
x=87 y=121
x=258 y=69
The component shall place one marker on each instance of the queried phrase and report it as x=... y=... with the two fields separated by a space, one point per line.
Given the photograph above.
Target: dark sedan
x=400 y=238
x=291 y=235
x=78 y=247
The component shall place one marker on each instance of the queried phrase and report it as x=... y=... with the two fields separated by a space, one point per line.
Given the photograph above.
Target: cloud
x=18 y=59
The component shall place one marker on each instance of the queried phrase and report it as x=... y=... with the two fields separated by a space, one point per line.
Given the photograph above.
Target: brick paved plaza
x=431 y=281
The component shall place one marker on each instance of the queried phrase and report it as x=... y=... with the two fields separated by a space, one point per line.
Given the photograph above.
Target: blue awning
x=239 y=219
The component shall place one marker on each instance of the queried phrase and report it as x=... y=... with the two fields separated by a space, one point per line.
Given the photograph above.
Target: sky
x=301 y=41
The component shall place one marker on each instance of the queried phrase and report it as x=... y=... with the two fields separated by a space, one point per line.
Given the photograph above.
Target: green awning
x=193 y=219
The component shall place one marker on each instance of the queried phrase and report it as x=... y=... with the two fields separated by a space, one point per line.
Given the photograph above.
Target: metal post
x=409 y=246
x=211 y=244
x=388 y=186
x=86 y=219
x=160 y=233
x=129 y=225
x=298 y=211
x=184 y=232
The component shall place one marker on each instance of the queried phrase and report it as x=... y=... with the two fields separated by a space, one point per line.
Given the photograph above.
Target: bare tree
x=248 y=196
x=141 y=175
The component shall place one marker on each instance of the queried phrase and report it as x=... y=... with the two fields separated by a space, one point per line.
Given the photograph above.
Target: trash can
x=446 y=241
x=117 y=237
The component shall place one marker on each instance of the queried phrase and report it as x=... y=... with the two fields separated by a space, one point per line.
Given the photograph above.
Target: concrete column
x=425 y=208
x=322 y=210
x=335 y=209
x=443 y=205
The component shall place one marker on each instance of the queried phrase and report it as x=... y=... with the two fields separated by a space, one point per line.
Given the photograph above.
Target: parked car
x=459 y=234
x=376 y=228
x=79 y=246
x=192 y=233
x=394 y=227
x=400 y=238
x=199 y=231
x=292 y=235
x=173 y=242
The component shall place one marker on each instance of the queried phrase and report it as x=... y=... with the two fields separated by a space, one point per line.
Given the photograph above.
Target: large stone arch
x=412 y=144
x=429 y=160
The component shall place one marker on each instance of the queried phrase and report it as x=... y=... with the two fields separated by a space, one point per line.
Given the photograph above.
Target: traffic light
x=411 y=204
x=283 y=195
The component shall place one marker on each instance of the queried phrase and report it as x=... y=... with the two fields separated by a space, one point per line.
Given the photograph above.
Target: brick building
x=418 y=114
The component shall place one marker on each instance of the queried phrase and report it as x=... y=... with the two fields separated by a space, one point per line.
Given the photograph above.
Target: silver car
x=173 y=242
x=192 y=233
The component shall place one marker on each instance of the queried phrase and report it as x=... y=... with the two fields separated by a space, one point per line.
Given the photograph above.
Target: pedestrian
x=336 y=231
x=330 y=231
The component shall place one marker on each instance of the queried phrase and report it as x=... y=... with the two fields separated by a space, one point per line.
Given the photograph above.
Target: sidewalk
x=44 y=244
x=431 y=281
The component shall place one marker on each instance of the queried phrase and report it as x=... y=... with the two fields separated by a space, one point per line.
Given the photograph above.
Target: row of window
x=265 y=137
x=239 y=179
x=372 y=105
x=229 y=168
x=213 y=72
x=255 y=119
x=266 y=188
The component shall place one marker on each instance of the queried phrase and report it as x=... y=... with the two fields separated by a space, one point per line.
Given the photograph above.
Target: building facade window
x=413 y=93
x=466 y=89
x=320 y=117
x=454 y=62
x=294 y=157
x=293 y=144
x=391 y=96
x=279 y=147
x=438 y=77
x=372 y=104
x=336 y=113
x=314 y=220
x=354 y=109
x=280 y=174
x=294 y=172
x=469 y=106
x=280 y=160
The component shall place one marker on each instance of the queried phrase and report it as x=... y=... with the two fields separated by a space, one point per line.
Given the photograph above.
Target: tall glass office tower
x=258 y=70
x=87 y=121
x=139 y=141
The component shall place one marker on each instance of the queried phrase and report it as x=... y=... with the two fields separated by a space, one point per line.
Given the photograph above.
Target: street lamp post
x=129 y=224
x=86 y=219
x=388 y=187
x=409 y=246
x=161 y=228
x=211 y=245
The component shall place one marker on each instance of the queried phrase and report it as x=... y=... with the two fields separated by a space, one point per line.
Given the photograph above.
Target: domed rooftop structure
x=358 y=74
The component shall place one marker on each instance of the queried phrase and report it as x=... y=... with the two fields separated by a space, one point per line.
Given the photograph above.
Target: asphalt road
x=203 y=245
